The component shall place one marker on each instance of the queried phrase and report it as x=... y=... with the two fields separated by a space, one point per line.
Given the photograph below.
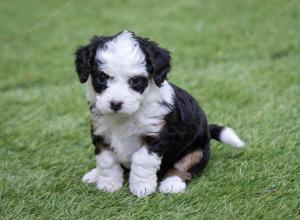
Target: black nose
x=116 y=106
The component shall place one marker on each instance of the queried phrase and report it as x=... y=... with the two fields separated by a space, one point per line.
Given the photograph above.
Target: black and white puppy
x=139 y=120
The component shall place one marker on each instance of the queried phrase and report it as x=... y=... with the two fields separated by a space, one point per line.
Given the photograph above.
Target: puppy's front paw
x=142 y=188
x=109 y=184
x=90 y=177
x=172 y=184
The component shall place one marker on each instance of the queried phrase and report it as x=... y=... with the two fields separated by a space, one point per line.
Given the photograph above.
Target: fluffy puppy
x=139 y=120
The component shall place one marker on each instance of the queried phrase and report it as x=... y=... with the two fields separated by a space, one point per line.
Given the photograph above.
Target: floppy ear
x=157 y=59
x=85 y=59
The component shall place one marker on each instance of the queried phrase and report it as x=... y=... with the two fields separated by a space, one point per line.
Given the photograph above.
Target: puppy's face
x=121 y=68
x=121 y=76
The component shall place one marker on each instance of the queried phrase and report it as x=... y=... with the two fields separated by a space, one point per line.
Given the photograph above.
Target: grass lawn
x=239 y=59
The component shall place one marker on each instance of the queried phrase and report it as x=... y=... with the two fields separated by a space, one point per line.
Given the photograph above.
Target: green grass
x=240 y=60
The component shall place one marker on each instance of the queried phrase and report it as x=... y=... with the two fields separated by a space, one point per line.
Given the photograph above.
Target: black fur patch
x=138 y=83
x=99 y=81
x=98 y=140
x=185 y=131
x=215 y=131
x=99 y=144
x=85 y=57
x=157 y=59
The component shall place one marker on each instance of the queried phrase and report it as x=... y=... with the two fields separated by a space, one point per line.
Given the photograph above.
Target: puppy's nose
x=116 y=106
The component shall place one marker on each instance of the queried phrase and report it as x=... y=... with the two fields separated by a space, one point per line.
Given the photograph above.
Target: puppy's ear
x=157 y=59
x=85 y=59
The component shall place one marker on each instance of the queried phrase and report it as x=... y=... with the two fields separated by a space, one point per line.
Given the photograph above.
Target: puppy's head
x=121 y=67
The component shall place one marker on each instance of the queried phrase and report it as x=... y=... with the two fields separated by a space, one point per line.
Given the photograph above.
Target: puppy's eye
x=137 y=81
x=102 y=78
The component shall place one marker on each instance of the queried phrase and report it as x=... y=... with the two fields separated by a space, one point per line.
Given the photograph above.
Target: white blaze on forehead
x=122 y=55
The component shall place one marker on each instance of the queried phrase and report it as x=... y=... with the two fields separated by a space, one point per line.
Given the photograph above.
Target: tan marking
x=188 y=161
x=182 y=167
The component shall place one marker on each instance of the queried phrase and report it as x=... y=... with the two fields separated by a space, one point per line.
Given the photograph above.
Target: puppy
x=139 y=120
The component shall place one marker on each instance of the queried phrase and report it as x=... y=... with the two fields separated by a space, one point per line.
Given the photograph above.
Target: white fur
x=122 y=55
x=172 y=184
x=143 y=179
x=109 y=172
x=90 y=177
x=121 y=59
x=228 y=136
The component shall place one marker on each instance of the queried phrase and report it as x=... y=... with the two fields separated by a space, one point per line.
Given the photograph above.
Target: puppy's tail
x=225 y=135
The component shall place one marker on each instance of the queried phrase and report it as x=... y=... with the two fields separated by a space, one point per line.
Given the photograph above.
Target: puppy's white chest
x=124 y=147
x=124 y=137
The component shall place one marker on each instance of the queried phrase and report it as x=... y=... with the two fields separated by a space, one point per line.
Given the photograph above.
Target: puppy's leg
x=109 y=172
x=172 y=184
x=174 y=181
x=90 y=177
x=183 y=171
x=142 y=178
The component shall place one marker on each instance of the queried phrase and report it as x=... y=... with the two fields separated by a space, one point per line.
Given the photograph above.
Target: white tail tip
x=228 y=136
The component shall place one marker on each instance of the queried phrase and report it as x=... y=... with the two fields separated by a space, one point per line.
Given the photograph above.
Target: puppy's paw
x=142 y=188
x=109 y=184
x=172 y=184
x=90 y=177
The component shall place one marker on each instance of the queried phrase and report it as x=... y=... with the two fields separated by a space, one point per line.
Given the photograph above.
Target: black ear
x=85 y=59
x=157 y=59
